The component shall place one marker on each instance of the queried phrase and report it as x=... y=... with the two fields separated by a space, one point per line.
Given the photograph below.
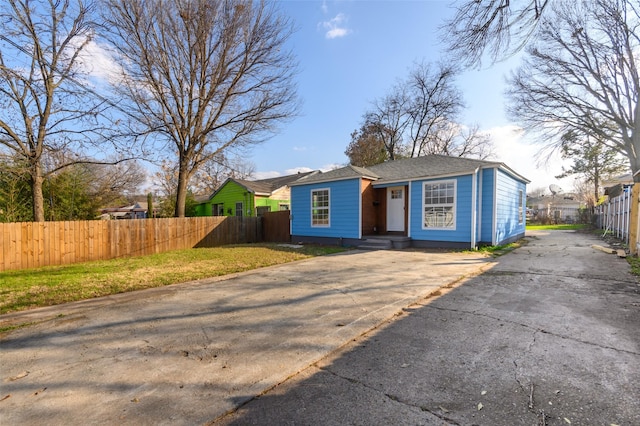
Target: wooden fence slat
x=17 y=252
x=276 y=227
x=5 y=245
x=26 y=245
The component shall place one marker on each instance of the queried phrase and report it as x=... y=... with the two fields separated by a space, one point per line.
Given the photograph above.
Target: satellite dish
x=555 y=189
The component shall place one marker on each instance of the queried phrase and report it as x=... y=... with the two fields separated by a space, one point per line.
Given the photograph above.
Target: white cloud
x=292 y=171
x=265 y=175
x=522 y=156
x=98 y=62
x=324 y=7
x=336 y=27
x=297 y=170
x=331 y=166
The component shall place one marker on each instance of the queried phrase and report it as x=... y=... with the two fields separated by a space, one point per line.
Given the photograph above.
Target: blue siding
x=462 y=232
x=344 y=210
x=507 y=207
x=487 y=202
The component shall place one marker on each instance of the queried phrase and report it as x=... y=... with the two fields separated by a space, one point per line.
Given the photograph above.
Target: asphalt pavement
x=546 y=334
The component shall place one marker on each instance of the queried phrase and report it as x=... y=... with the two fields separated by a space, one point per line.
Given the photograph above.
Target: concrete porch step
x=385 y=243
x=376 y=244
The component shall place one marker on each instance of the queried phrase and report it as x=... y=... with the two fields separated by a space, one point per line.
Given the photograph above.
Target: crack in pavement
x=391 y=396
x=531 y=404
x=537 y=329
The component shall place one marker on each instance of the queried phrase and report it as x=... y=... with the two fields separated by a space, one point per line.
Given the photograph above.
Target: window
x=284 y=207
x=238 y=209
x=396 y=194
x=218 y=209
x=439 y=205
x=520 y=207
x=320 y=207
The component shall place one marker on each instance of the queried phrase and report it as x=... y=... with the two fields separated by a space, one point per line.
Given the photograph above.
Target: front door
x=395 y=209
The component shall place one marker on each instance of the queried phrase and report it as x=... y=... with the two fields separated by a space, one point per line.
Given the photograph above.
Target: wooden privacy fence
x=34 y=244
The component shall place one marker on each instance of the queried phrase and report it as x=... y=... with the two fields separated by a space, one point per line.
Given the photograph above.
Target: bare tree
x=420 y=117
x=165 y=181
x=584 y=191
x=111 y=183
x=213 y=173
x=537 y=192
x=203 y=75
x=434 y=103
x=497 y=28
x=388 y=120
x=581 y=76
x=461 y=141
x=44 y=105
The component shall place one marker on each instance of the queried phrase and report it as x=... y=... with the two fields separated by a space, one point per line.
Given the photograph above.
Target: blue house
x=431 y=201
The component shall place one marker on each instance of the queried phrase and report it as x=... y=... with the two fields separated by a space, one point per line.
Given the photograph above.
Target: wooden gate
x=276 y=227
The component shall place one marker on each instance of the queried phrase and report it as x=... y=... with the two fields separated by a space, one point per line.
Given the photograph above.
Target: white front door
x=395 y=209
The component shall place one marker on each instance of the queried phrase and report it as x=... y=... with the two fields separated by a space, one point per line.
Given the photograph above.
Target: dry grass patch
x=26 y=289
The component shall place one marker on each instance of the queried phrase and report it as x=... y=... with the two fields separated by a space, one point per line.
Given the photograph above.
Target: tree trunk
x=635 y=142
x=36 y=191
x=181 y=192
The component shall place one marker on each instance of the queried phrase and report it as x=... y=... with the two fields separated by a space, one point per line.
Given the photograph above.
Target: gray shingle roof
x=408 y=169
x=347 y=172
x=267 y=186
x=428 y=166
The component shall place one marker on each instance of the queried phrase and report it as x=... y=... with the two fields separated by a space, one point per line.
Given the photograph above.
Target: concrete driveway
x=549 y=335
x=188 y=354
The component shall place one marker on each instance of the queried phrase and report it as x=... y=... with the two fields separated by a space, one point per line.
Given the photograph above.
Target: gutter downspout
x=360 y=208
x=474 y=208
x=480 y=203
x=494 y=221
x=408 y=195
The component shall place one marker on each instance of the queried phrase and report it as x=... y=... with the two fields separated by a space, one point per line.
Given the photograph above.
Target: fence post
x=634 y=220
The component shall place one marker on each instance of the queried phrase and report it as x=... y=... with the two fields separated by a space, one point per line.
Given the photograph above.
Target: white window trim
x=454 y=205
x=521 y=208
x=328 y=224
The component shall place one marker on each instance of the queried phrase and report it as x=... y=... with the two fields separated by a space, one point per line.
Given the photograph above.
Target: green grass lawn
x=573 y=226
x=31 y=288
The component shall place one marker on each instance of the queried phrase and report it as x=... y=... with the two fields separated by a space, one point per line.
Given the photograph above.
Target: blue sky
x=352 y=52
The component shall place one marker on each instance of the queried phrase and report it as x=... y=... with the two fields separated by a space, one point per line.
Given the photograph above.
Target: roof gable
x=342 y=173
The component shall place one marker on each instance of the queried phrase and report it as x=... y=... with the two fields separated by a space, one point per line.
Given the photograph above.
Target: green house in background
x=239 y=197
